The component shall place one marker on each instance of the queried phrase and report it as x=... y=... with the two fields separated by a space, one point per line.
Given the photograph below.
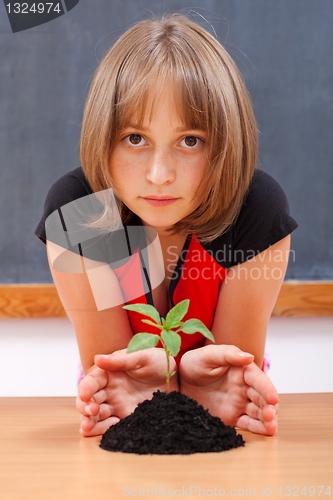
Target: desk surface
x=43 y=456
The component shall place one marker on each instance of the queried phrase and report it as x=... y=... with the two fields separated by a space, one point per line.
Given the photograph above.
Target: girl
x=169 y=128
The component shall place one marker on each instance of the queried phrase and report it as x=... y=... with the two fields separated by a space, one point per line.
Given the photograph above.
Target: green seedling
x=169 y=326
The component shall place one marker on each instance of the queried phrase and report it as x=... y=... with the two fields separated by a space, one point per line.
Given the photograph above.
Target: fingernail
x=244 y=354
x=88 y=410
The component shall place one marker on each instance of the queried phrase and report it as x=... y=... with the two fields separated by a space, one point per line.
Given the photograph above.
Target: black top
x=264 y=218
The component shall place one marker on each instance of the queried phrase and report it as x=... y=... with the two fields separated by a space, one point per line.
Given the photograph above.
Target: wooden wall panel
x=313 y=298
x=30 y=301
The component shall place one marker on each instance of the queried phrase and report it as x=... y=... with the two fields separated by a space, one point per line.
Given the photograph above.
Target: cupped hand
x=117 y=384
x=226 y=382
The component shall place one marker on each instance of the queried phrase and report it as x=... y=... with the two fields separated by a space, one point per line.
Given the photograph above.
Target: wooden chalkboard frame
x=296 y=298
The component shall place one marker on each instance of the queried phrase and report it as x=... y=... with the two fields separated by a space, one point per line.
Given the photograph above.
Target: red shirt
x=197 y=277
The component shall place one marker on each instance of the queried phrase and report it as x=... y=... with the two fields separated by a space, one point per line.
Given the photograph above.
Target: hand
x=118 y=383
x=227 y=383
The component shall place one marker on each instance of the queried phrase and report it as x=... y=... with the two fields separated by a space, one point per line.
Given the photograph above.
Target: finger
x=255 y=397
x=266 y=428
x=214 y=357
x=256 y=379
x=86 y=409
x=91 y=384
x=260 y=402
x=100 y=427
x=99 y=397
x=91 y=408
x=95 y=402
x=89 y=422
x=123 y=361
x=265 y=414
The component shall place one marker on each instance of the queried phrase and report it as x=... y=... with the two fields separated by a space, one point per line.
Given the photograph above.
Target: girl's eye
x=191 y=141
x=135 y=140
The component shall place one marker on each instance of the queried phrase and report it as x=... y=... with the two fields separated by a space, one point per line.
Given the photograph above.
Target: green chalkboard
x=284 y=49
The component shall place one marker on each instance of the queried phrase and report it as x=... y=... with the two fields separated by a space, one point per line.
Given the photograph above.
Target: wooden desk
x=43 y=456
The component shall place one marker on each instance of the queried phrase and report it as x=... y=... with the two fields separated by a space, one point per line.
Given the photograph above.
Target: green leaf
x=195 y=325
x=174 y=325
x=152 y=323
x=142 y=341
x=177 y=313
x=172 y=341
x=146 y=310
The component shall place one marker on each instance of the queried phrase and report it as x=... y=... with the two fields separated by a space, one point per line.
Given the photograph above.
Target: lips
x=152 y=197
x=160 y=201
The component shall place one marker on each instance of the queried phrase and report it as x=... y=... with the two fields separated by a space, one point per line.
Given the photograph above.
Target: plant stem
x=168 y=372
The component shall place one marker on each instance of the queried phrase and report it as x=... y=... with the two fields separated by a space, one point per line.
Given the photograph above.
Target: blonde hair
x=210 y=94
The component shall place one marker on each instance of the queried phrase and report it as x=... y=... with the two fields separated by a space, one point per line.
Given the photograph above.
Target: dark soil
x=170 y=424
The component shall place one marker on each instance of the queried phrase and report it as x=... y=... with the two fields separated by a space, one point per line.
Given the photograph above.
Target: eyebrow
x=136 y=126
x=178 y=129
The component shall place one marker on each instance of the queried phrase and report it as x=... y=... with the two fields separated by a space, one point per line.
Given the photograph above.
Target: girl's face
x=157 y=167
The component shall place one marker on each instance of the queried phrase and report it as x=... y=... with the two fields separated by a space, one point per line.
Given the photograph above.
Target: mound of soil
x=170 y=424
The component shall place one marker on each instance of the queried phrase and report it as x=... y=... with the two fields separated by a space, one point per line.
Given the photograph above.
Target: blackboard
x=284 y=49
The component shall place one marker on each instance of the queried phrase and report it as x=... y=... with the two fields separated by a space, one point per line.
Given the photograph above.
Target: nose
x=160 y=168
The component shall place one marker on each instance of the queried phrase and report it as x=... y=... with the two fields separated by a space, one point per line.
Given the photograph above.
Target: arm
x=97 y=332
x=118 y=381
x=247 y=298
x=223 y=379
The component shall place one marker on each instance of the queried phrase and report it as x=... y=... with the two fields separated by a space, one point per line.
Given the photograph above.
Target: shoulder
x=265 y=207
x=67 y=188
x=264 y=219
x=264 y=191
